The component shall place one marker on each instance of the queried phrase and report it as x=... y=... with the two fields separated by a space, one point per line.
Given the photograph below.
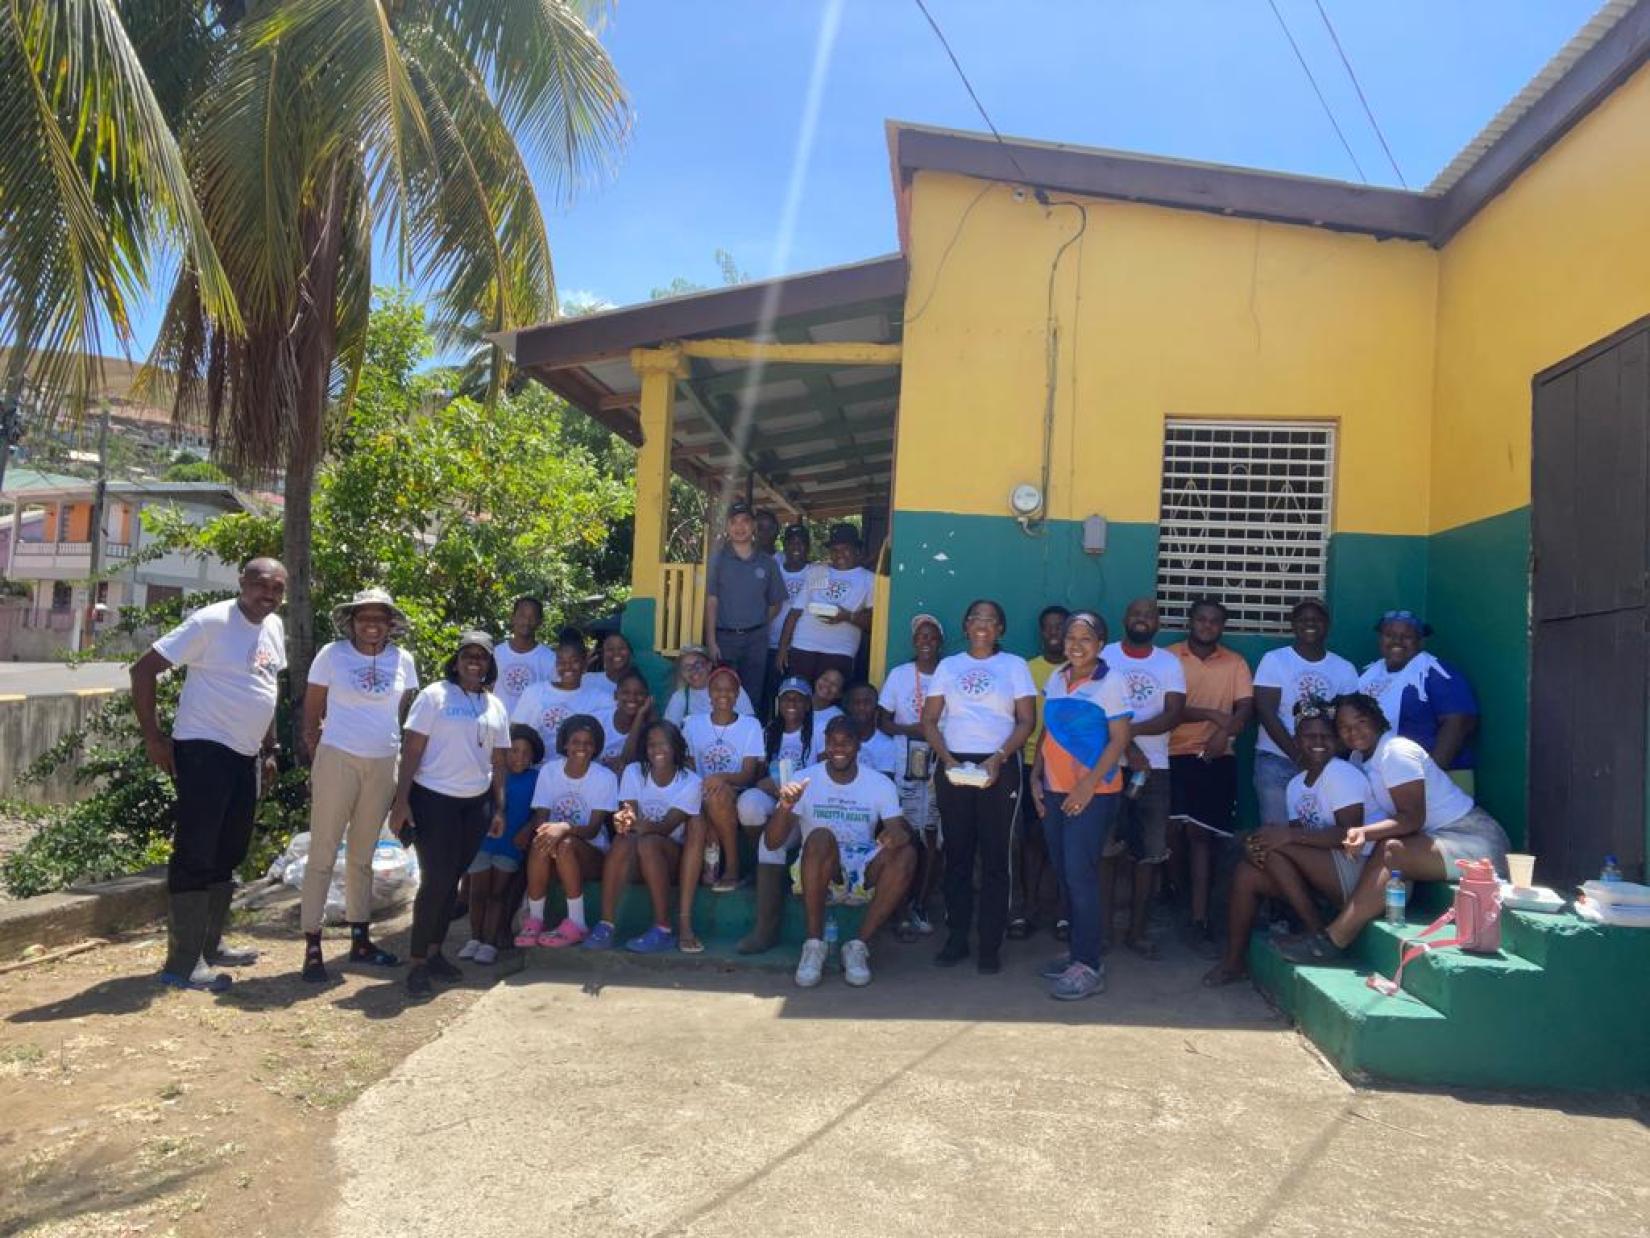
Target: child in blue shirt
x=499 y=859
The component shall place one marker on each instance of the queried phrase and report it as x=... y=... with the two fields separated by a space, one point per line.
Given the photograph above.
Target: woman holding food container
x=981 y=706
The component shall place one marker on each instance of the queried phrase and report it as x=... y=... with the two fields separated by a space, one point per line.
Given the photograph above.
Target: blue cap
x=794 y=683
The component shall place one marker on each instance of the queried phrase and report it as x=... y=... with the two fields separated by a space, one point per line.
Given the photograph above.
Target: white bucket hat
x=343 y=614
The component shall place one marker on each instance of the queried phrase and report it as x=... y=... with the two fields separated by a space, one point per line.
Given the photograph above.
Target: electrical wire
x=1368 y=111
x=1052 y=358
x=1323 y=102
x=945 y=254
x=980 y=107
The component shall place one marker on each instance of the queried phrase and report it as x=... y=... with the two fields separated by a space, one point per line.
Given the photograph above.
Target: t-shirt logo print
x=1312 y=686
x=1377 y=687
x=371 y=681
x=570 y=808
x=263 y=662
x=718 y=757
x=1308 y=808
x=551 y=719
x=516 y=679
x=1139 y=688
x=975 y=682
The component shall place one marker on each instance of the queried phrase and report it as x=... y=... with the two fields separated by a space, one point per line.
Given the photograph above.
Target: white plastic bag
x=394 y=875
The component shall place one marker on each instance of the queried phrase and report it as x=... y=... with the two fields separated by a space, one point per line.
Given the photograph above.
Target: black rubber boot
x=315 y=967
x=214 y=951
x=185 y=936
x=771 y=880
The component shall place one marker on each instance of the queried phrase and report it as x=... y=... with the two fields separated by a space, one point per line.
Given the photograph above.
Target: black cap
x=796 y=529
x=738 y=508
x=843 y=535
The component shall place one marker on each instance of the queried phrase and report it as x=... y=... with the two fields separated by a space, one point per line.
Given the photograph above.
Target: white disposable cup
x=1521 y=868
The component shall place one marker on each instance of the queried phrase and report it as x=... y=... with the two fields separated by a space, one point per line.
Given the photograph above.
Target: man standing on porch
x=743 y=593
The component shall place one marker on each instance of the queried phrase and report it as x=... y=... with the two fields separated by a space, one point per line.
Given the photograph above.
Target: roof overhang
x=1613 y=46
x=814 y=438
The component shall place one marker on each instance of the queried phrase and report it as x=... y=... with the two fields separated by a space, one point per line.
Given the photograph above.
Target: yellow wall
x=1559 y=260
x=1182 y=314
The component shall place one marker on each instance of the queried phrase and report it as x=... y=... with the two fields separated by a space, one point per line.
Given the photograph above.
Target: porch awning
x=815 y=439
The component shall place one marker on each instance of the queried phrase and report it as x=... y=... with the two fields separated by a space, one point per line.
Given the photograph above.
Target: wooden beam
x=796 y=354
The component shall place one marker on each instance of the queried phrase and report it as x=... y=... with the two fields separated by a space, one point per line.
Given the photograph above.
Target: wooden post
x=658 y=368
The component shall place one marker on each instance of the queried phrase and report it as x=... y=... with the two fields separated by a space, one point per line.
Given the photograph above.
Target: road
x=52 y=678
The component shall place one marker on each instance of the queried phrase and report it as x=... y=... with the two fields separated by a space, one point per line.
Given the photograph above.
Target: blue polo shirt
x=1452 y=694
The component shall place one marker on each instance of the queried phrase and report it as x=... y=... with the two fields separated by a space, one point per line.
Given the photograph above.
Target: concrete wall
x=31 y=725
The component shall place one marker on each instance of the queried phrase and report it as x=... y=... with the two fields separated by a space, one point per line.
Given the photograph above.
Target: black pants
x=447 y=833
x=978 y=821
x=217 y=796
x=747 y=653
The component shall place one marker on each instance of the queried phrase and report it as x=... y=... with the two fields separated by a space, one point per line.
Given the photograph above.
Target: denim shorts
x=487 y=859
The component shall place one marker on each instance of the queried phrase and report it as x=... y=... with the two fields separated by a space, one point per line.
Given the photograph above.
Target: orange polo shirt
x=1216 y=682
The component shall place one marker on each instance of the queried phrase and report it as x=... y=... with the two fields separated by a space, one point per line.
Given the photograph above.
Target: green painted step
x=719 y=919
x=1488 y=986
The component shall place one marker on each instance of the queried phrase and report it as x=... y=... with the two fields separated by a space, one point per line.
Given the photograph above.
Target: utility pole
x=100 y=498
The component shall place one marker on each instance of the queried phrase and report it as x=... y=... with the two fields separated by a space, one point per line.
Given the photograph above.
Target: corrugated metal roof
x=1585 y=39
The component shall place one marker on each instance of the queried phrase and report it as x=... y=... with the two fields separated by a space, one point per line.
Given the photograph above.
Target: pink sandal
x=529 y=935
x=567 y=934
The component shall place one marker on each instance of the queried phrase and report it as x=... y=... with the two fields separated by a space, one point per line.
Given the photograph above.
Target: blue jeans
x=1272 y=777
x=1075 y=845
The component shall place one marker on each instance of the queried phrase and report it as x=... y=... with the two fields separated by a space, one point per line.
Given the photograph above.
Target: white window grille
x=1246 y=515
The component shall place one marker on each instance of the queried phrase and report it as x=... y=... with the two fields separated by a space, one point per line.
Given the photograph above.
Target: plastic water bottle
x=1612 y=870
x=713 y=864
x=833 y=935
x=1137 y=783
x=1396 y=898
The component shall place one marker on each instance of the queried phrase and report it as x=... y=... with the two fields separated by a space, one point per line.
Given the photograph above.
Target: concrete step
x=719 y=919
x=1488 y=986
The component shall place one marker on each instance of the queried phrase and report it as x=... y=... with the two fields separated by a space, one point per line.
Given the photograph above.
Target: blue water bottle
x=832 y=935
x=1396 y=897
x=1612 y=869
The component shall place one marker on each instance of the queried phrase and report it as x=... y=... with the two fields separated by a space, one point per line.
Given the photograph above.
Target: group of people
x=1024 y=789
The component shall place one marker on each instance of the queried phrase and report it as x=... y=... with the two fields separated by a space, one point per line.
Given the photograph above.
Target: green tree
x=91 y=180
x=322 y=123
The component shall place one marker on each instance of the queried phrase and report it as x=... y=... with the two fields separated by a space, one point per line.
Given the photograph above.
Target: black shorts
x=1204 y=791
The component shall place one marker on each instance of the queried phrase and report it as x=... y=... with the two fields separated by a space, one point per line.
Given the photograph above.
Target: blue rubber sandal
x=601 y=937
x=657 y=940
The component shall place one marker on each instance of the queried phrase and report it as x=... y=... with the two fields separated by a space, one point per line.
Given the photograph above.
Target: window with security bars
x=1245 y=518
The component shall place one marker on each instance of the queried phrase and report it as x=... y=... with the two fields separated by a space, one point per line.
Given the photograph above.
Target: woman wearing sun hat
x=1424 y=698
x=449 y=793
x=360 y=687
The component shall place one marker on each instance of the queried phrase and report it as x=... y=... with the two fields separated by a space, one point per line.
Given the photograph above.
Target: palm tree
x=91 y=182
x=327 y=122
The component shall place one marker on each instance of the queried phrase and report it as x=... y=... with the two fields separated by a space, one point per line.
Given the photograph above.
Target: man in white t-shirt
x=233 y=652
x=793 y=570
x=855 y=844
x=1155 y=689
x=1284 y=678
x=830 y=613
x=522 y=660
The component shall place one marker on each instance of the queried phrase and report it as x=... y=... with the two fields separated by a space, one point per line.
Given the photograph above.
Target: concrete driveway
x=618 y=1099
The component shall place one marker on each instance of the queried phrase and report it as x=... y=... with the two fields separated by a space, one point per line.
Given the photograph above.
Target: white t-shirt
x=518 y=671
x=685 y=703
x=852 y=590
x=544 y=707
x=599 y=686
x=793 y=585
x=1297 y=679
x=722 y=749
x=790 y=749
x=463 y=731
x=903 y=693
x=654 y=802
x=230 y=691
x=363 y=697
x=979 y=699
x=1341 y=785
x=573 y=799
x=822 y=719
x=882 y=753
x=613 y=739
x=1145 y=682
x=852 y=811
x=1397 y=761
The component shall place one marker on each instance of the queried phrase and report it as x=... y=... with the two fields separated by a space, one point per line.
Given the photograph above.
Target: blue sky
x=719 y=90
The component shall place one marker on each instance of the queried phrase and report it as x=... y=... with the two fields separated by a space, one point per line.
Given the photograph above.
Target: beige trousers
x=353 y=792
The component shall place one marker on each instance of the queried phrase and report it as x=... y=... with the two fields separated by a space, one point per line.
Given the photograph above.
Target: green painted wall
x=1478 y=600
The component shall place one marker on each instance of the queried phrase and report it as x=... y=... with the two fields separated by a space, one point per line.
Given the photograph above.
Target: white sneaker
x=812 y=965
x=485 y=954
x=856 y=963
x=470 y=948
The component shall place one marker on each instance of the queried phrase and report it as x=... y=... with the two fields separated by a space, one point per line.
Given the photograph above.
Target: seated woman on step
x=789 y=750
x=1306 y=856
x=572 y=802
x=658 y=808
x=1426 y=824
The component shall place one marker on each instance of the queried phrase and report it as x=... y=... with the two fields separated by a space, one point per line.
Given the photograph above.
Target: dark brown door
x=1591 y=531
